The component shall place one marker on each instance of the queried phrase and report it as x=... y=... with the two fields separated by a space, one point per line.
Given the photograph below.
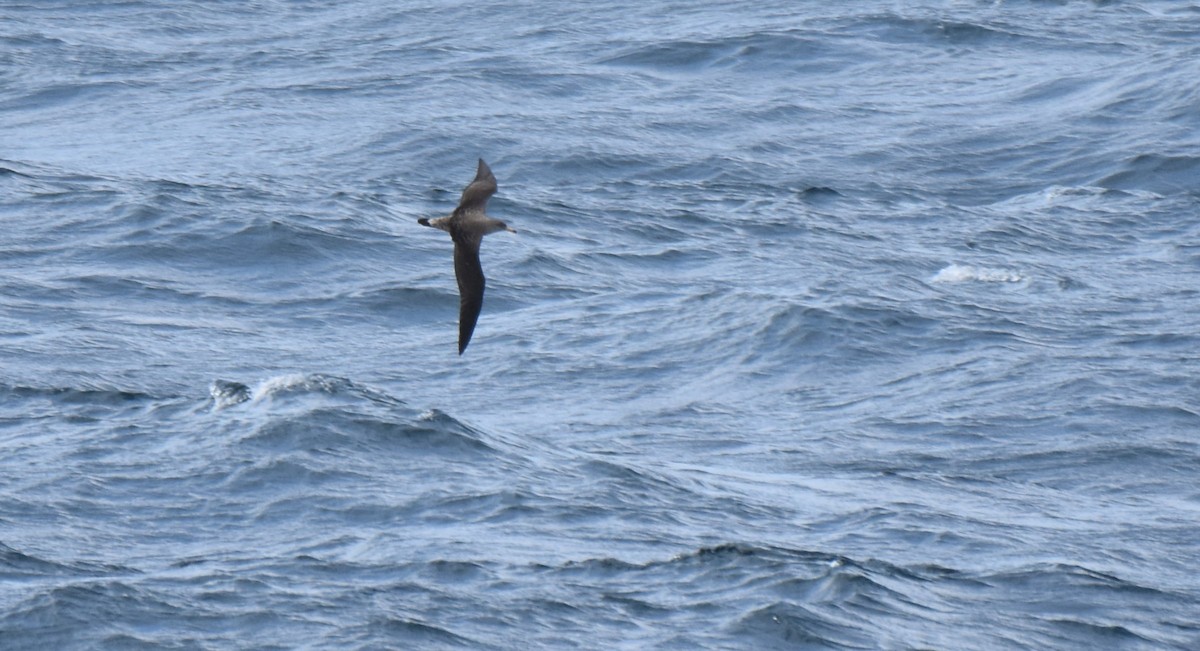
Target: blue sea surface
x=865 y=325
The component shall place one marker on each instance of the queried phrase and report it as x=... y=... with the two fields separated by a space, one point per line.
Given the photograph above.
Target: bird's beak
x=511 y=229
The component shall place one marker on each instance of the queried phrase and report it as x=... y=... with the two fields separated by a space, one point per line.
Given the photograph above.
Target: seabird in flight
x=467 y=225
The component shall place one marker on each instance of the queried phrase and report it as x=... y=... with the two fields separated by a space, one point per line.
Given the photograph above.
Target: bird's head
x=495 y=226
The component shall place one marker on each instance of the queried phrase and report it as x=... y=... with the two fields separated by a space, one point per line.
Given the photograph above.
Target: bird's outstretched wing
x=471 y=282
x=475 y=195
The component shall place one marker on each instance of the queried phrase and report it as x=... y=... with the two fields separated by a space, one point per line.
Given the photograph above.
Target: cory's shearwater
x=467 y=225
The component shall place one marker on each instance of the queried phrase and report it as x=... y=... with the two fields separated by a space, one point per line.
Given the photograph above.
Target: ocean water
x=864 y=325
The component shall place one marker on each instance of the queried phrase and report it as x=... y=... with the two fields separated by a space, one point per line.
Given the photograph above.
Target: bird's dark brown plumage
x=467 y=225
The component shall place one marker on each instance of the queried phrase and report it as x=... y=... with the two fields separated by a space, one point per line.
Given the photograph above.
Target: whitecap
x=226 y=393
x=956 y=273
x=295 y=382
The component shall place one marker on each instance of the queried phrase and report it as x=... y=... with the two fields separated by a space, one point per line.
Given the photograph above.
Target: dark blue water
x=863 y=326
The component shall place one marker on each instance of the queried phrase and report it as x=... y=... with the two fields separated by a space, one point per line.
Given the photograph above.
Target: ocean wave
x=760 y=50
x=408 y=631
x=313 y=411
x=956 y=273
x=723 y=554
x=786 y=625
x=92 y=608
x=16 y=565
x=785 y=597
x=1158 y=173
x=299 y=384
x=78 y=395
x=854 y=328
x=270 y=477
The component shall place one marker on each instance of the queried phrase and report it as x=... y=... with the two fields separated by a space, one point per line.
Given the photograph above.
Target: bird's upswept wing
x=475 y=195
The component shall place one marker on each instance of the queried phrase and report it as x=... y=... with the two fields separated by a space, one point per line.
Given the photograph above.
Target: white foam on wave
x=318 y=383
x=957 y=273
x=280 y=383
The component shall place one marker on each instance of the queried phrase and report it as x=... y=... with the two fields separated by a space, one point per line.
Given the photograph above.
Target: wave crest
x=956 y=273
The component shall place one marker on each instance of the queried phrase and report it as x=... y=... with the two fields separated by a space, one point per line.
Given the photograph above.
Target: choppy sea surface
x=867 y=325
